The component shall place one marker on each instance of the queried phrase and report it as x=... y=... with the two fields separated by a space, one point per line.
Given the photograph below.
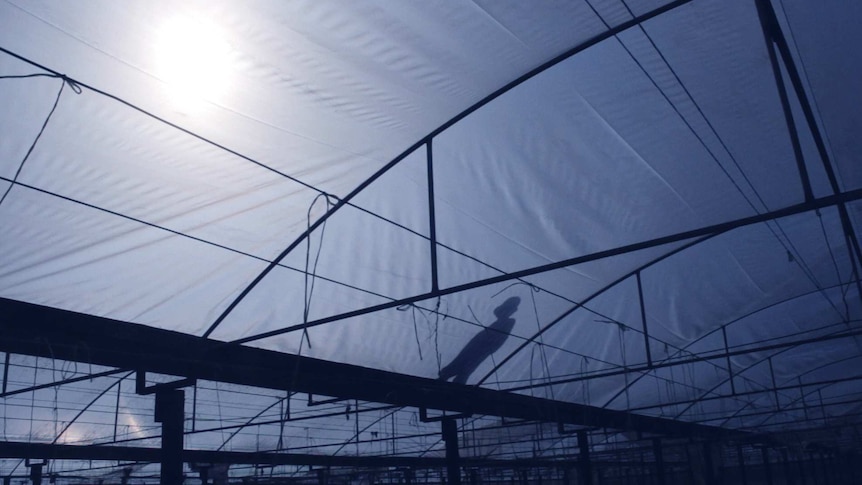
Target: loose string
x=73 y=86
x=309 y=287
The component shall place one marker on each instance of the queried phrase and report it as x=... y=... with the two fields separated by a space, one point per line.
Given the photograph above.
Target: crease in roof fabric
x=134 y=208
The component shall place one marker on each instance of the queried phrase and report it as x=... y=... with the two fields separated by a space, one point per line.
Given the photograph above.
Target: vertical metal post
x=5 y=372
x=170 y=412
x=194 y=405
x=36 y=474
x=708 y=466
x=647 y=471
x=800 y=457
x=727 y=353
x=658 y=453
x=788 y=475
x=767 y=23
x=766 y=468
x=826 y=477
x=802 y=398
x=852 y=467
x=450 y=438
x=822 y=407
x=691 y=474
x=774 y=387
x=432 y=221
x=643 y=318
x=408 y=476
x=356 y=424
x=117 y=408
x=740 y=458
x=585 y=468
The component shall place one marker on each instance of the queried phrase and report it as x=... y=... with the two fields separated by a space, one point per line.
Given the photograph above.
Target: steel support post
x=5 y=372
x=432 y=220
x=774 y=385
x=800 y=462
x=658 y=453
x=450 y=438
x=691 y=474
x=644 y=318
x=788 y=474
x=740 y=457
x=36 y=474
x=826 y=478
x=708 y=466
x=170 y=412
x=767 y=469
x=585 y=468
x=769 y=31
x=729 y=366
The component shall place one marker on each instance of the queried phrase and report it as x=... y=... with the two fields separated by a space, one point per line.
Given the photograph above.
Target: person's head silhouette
x=507 y=308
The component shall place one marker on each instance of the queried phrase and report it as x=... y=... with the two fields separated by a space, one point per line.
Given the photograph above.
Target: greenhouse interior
x=601 y=242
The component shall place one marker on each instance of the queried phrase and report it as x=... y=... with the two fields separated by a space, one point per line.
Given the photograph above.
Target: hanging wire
x=415 y=327
x=543 y=354
x=834 y=264
x=437 y=335
x=621 y=331
x=433 y=326
x=309 y=289
x=585 y=362
x=64 y=81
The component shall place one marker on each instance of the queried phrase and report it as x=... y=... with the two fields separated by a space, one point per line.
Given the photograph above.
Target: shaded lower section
x=729 y=464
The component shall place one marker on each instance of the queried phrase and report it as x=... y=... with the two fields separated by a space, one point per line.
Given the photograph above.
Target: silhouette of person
x=483 y=344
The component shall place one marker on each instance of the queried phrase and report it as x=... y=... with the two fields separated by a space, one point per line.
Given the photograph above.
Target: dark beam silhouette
x=31 y=329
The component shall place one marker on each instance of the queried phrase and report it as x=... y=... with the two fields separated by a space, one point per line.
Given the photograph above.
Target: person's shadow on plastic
x=485 y=343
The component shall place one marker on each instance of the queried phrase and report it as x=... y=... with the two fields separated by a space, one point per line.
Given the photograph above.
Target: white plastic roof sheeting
x=662 y=129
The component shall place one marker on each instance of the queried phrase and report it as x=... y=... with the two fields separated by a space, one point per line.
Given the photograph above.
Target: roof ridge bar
x=815 y=204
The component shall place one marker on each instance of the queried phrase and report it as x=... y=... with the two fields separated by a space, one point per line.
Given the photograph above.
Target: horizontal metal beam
x=738 y=394
x=71 y=380
x=691 y=360
x=12 y=449
x=30 y=329
x=801 y=208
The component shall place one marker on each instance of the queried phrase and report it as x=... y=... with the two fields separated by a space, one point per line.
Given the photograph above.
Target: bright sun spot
x=193 y=59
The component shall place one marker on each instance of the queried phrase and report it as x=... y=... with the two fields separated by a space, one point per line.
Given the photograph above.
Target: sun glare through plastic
x=193 y=59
